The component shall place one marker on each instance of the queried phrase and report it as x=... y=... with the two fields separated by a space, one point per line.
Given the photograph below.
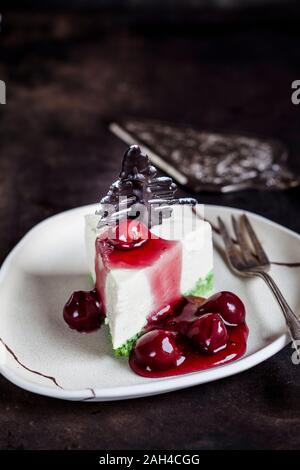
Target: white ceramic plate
x=38 y=352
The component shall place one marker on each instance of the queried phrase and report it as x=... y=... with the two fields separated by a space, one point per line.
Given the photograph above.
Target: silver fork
x=247 y=260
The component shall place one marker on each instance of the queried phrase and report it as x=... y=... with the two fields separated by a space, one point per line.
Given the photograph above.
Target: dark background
x=68 y=71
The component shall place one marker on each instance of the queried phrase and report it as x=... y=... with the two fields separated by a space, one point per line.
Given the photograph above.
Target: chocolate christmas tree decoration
x=138 y=183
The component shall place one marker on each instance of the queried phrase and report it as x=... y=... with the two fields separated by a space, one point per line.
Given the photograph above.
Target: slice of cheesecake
x=176 y=260
x=138 y=283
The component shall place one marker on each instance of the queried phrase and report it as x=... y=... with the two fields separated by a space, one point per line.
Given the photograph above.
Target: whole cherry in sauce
x=83 y=311
x=187 y=316
x=208 y=333
x=157 y=350
x=128 y=234
x=228 y=305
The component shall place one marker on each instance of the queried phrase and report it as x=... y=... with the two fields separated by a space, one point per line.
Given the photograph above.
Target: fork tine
x=242 y=241
x=225 y=235
x=260 y=252
x=231 y=251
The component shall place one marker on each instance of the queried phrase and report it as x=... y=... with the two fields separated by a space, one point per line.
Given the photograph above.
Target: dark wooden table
x=66 y=75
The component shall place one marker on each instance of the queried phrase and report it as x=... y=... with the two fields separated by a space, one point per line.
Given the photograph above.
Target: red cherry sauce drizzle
x=177 y=319
x=162 y=258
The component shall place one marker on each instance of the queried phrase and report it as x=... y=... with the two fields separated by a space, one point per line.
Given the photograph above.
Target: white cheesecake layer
x=128 y=298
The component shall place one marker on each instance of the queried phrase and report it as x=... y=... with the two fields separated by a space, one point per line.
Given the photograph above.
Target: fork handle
x=292 y=320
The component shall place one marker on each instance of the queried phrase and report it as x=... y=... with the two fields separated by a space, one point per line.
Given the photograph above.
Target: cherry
x=186 y=317
x=83 y=311
x=128 y=234
x=228 y=305
x=157 y=350
x=208 y=333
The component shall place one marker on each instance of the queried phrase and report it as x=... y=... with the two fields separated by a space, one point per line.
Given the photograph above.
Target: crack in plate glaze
x=13 y=354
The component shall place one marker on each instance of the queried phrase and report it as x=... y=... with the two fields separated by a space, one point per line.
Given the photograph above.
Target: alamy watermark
x=296 y=93
x=179 y=220
x=2 y=92
x=296 y=353
x=2 y=83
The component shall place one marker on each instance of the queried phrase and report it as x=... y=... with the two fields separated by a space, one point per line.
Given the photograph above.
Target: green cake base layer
x=202 y=288
x=125 y=349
